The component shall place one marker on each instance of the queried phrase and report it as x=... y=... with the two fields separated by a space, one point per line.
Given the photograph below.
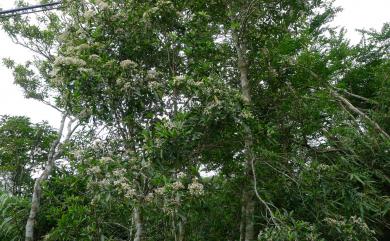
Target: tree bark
x=351 y=107
x=138 y=224
x=181 y=229
x=248 y=205
x=242 y=217
x=54 y=152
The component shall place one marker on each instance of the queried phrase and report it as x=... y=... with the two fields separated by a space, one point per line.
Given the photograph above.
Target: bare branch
x=356 y=96
x=360 y=113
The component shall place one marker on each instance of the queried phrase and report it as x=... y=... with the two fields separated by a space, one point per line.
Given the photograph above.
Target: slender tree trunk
x=248 y=205
x=249 y=216
x=181 y=227
x=138 y=224
x=36 y=196
x=242 y=217
x=181 y=230
x=54 y=153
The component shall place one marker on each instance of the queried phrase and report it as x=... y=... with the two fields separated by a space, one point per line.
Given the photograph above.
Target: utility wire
x=30 y=9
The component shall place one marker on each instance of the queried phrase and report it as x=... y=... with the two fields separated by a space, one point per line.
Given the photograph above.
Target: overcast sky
x=357 y=14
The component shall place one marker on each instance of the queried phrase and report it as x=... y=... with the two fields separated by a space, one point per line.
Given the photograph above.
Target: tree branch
x=360 y=113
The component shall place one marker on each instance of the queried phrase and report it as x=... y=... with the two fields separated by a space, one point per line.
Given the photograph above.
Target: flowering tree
x=260 y=95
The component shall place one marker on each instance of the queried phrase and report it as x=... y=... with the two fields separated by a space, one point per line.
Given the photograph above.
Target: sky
x=357 y=14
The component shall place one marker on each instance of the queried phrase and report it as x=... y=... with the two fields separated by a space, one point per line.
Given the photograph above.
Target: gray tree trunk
x=138 y=224
x=54 y=152
x=248 y=205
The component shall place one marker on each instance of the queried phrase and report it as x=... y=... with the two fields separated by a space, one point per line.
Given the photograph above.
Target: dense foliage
x=23 y=150
x=202 y=120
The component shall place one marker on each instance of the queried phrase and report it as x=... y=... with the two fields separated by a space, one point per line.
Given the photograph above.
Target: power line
x=30 y=9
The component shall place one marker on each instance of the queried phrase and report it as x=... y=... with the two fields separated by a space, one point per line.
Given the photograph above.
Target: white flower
x=128 y=63
x=151 y=74
x=94 y=57
x=60 y=60
x=130 y=193
x=119 y=172
x=94 y=170
x=160 y=190
x=323 y=167
x=86 y=70
x=104 y=183
x=54 y=72
x=89 y=14
x=149 y=197
x=101 y=4
x=181 y=175
x=180 y=78
x=78 y=153
x=106 y=159
x=177 y=185
x=195 y=188
x=83 y=46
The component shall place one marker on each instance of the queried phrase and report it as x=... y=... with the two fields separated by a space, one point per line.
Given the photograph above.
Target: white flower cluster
x=128 y=63
x=151 y=74
x=125 y=187
x=93 y=170
x=77 y=153
x=154 y=85
x=77 y=49
x=119 y=172
x=359 y=222
x=178 y=79
x=246 y=114
x=160 y=190
x=130 y=193
x=60 y=60
x=195 y=188
x=149 y=197
x=334 y=222
x=94 y=57
x=89 y=14
x=104 y=183
x=102 y=4
x=86 y=70
x=177 y=185
x=181 y=175
x=323 y=167
x=106 y=159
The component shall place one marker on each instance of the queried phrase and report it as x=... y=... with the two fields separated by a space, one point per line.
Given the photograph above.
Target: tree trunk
x=249 y=215
x=138 y=224
x=248 y=205
x=36 y=196
x=181 y=230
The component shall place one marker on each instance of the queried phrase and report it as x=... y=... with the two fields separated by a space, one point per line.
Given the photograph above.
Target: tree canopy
x=200 y=120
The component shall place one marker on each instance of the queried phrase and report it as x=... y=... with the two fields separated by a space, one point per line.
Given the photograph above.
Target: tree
x=282 y=110
x=23 y=151
x=34 y=78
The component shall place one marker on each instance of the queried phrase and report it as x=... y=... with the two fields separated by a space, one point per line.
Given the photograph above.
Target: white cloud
x=362 y=14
